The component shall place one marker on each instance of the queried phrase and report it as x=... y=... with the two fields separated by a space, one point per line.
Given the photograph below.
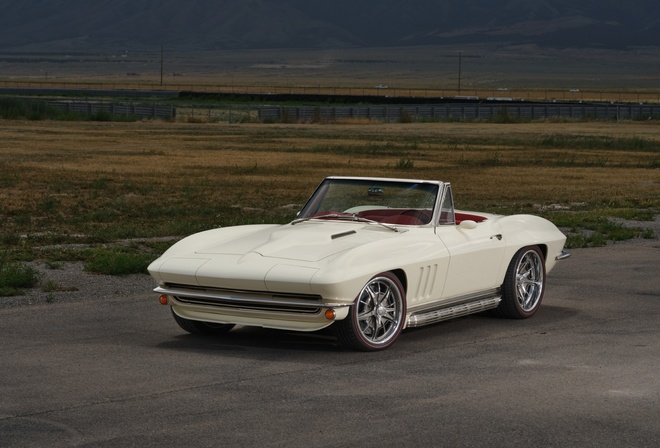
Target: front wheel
x=524 y=284
x=376 y=318
x=201 y=328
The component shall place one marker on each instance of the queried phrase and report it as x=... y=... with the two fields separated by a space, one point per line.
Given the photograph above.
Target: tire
x=524 y=284
x=377 y=316
x=201 y=328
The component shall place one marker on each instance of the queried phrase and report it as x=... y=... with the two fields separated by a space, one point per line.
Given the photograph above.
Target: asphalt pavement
x=584 y=372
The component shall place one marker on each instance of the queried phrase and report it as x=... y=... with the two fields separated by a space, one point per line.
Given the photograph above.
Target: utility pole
x=161 y=65
x=460 y=61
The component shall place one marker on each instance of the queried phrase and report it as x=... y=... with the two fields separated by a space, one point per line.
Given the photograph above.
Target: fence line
x=218 y=113
x=527 y=94
x=403 y=113
x=457 y=112
x=166 y=113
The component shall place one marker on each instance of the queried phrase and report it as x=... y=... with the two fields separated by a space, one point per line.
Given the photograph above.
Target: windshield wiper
x=371 y=221
x=331 y=215
x=347 y=217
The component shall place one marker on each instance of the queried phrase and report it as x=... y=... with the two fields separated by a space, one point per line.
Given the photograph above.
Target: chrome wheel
x=376 y=319
x=379 y=310
x=524 y=284
x=529 y=280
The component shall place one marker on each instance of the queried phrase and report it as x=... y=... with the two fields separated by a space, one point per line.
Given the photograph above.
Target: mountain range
x=84 y=25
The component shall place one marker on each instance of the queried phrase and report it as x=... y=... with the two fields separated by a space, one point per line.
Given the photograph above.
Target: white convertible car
x=368 y=256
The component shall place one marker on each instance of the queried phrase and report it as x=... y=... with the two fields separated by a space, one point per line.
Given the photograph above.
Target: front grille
x=245 y=300
x=246 y=305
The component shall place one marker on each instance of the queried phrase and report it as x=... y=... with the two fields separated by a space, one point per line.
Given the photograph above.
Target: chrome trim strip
x=473 y=297
x=433 y=316
x=563 y=255
x=249 y=298
x=455 y=307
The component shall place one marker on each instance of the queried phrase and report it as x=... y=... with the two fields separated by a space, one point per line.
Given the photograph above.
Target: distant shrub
x=101 y=115
x=405 y=164
x=116 y=262
x=14 y=277
x=16 y=109
x=406 y=117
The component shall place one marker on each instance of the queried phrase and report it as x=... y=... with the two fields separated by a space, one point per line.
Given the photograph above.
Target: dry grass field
x=115 y=195
x=71 y=183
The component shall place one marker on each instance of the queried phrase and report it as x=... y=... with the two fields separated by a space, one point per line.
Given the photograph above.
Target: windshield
x=389 y=202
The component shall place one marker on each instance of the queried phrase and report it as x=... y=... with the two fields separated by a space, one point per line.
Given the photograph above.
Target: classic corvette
x=369 y=256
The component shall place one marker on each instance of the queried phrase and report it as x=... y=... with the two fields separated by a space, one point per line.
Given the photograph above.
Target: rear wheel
x=376 y=318
x=199 y=327
x=524 y=284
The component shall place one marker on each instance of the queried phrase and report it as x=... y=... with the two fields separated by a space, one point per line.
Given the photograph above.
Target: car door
x=476 y=251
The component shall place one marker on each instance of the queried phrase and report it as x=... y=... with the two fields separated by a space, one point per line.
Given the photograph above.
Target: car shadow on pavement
x=246 y=338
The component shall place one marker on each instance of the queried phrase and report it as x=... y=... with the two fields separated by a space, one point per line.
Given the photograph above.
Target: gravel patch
x=69 y=282
x=653 y=225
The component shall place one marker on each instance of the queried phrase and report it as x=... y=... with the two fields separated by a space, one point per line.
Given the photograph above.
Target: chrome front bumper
x=248 y=299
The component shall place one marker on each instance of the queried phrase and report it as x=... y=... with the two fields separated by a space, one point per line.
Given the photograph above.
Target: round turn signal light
x=330 y=314
x=163 y=299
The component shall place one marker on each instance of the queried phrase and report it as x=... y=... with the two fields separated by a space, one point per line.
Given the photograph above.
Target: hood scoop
x=343 y=234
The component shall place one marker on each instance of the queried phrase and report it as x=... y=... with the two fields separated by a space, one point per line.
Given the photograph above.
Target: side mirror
x=467 y=224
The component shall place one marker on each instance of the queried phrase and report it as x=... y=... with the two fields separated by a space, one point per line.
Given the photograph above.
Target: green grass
x=16 y=277
x=598 y=142
x=118 y=262
x=593 y=230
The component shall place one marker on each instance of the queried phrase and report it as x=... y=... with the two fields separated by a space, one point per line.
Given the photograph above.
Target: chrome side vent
x=426 y=283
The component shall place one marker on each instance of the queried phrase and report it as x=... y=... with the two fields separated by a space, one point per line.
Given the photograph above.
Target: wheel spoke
x=528 y=300
x=366 y=323
x=372 y=295
x=531 y=282
x=385 y=295
x=391 y=318
x=366 y=315
x=378 y=327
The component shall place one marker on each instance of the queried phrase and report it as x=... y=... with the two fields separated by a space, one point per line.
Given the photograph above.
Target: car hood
x=268 y=258
x=308 y=241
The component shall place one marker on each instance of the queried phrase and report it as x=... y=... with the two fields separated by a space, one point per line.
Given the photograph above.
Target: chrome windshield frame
x=319 y=194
